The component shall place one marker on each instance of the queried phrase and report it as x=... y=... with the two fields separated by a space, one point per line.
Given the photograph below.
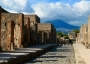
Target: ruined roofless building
x=42 y=37
x=8 y=20
x=50 y=30
x=34 y=20
x=71 y=35
x=18 y=29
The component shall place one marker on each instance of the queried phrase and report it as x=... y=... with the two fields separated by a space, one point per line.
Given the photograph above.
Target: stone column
x=0 y=30
x=21 y=22
x=10 y=35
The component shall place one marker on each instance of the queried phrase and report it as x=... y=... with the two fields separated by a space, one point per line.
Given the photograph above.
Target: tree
x=76 y=31
x=61 y=34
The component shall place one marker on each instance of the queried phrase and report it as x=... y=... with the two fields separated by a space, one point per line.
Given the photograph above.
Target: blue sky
x=53 y=1
x=74 y=12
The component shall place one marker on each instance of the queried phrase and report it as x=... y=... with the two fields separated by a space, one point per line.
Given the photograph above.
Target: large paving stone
x=59 y=55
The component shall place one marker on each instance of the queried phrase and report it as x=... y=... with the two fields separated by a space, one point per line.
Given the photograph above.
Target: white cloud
x=77 y=12
x=16 y=5
x=78 y=23
x=73 y=14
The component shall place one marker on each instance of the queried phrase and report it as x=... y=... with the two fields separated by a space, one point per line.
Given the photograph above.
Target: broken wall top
x=47 y=27
x=3 y=10
x=44 y=26
x=33 y=18
x=10 y=16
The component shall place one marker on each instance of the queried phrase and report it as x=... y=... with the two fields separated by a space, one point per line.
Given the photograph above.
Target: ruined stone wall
x=6 y=17
x=81 y=34
x=10 y=35
x=18 y=25
x=34 y=19
x=89 y=29
x=42 y=27
x=44 y=37
x=48 y=37
x=47 y=29
x=50 y=30
x=71 y=35
x=85 y=34
x=18 y=30
x=0 y=27
x=26 y=34
x=77 y=38
x=39 y=37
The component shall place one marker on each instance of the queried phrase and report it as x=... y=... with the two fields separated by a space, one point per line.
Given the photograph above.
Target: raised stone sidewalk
x=21 y=55
x=82 y=54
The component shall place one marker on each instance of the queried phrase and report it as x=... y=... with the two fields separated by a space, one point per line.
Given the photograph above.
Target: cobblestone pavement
x=59 y=55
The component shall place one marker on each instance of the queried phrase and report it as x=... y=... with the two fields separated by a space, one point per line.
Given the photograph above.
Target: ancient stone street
x=59 y=55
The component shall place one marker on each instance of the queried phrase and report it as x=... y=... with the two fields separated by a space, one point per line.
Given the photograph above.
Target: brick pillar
x=0 y=30
x=10 y=35
x=21 y=22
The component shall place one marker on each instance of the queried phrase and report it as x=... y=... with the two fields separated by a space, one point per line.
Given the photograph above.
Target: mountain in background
x=62 y=26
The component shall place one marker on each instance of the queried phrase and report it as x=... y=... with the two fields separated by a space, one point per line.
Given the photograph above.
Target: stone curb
x=22 y=58
x=79 y=59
